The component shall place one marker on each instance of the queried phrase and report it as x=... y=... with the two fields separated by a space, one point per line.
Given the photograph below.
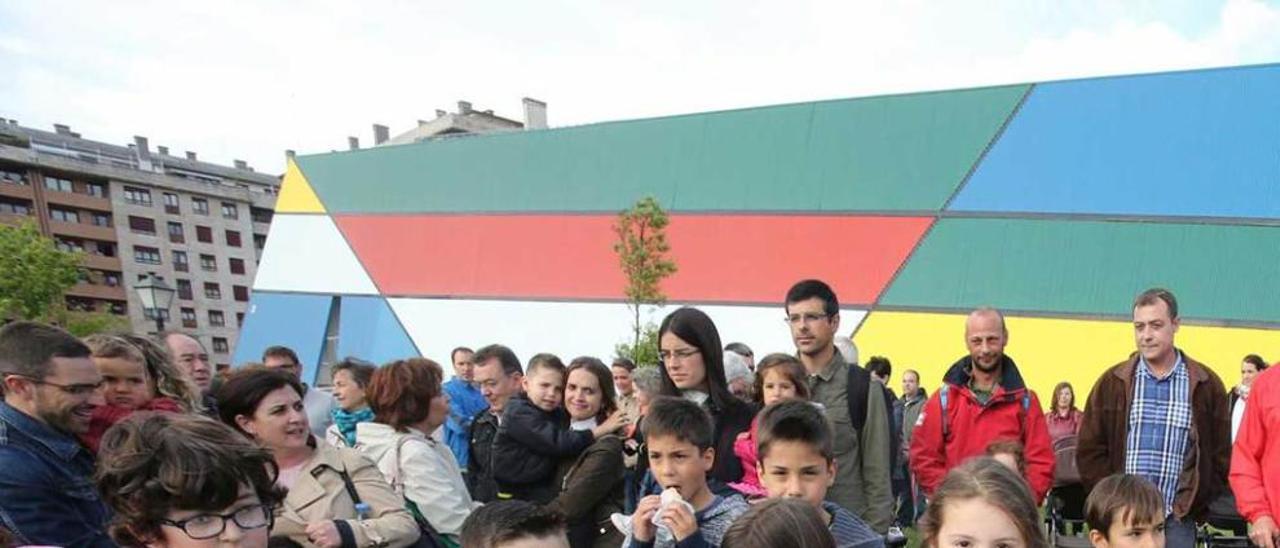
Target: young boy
x=796 y=452
x=513 y=524
x=678 y=435
x=1125 y=511
x=534 y=435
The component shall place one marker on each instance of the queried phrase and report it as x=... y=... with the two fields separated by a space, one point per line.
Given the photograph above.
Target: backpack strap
x=859 y=383
x=1022 y=414
x=943 y=393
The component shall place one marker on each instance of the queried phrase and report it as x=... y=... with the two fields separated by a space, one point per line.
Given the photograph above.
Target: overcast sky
x=247 y=80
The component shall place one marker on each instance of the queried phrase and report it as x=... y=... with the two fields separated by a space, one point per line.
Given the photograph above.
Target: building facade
x=197 y=225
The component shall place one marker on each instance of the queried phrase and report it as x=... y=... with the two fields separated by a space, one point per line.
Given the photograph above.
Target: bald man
x=985 y=401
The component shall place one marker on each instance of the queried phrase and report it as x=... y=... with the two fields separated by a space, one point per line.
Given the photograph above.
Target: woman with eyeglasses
x=692 y=366
x=184 y=480
x=336 y=496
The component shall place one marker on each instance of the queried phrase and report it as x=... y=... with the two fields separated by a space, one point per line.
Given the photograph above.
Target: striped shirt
x=1159 y=427
x=849 y=531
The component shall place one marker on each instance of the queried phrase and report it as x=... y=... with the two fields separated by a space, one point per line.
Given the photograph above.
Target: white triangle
x=307 y=253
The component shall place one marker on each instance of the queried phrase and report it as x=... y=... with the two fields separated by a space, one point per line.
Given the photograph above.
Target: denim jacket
x=46 y=487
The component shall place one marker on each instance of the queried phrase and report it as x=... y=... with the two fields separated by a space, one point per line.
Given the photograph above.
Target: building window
x=239 y=319
x=184 y=289
x=142 y=225
x=106 y=249
x=111 y=279
x=101 y=219
x=96 y=189
x=216 y=318
x=237 y=265
x=150 y=313
x=220 y=345
x=208 y=263
x=180 y=261
x=259 y=241
x=64 y=215
x=230 y=211
x=260 y=215
x=204 y=234
x=15 y=208
x=146 y=255
x=137 y=196
x=69 y=246
x=175 y=233
x=13 y=177
x=57 y=183
x=233 y=238
x=171 y=203
x=212 y=290
x=189 y=318
x=200 y=205
x=240 y=292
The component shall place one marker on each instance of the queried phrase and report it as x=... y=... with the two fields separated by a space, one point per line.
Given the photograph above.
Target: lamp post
x=156 y=296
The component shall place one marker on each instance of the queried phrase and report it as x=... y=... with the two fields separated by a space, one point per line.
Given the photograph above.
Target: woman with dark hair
x=1249 y=369
x=692 y=366
x=409 y=403
x=1063 y=417
x=323 y=482
x=592 y=487
x=178 y=480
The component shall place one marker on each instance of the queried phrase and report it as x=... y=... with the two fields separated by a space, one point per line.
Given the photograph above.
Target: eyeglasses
x=797 y=319
x=207 y=526
x=682 y=354
x=79 y=390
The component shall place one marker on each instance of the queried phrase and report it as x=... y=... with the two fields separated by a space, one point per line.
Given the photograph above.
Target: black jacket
x=729 y=422
x=529 y=445
x=484 y=429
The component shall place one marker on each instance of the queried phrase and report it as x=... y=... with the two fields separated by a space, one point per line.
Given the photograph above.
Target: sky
x=248 y=80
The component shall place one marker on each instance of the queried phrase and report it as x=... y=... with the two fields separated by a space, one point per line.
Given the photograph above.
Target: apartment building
x=199 y=226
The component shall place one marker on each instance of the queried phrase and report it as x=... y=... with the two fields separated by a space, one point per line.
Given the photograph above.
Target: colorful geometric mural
x=1055 y=202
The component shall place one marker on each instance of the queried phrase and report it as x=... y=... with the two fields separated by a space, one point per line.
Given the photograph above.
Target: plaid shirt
x=1159 y=427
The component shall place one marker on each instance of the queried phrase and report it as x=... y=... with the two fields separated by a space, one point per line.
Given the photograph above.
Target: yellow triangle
x=296 y=194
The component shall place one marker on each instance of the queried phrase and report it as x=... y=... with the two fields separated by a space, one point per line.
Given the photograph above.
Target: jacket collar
x=1196 y=372
x=308 y=488
x=834 y=366
x=58 y=443
x=1010 y=379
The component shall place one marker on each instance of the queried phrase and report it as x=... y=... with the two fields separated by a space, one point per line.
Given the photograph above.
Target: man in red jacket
x=986 y=400
x=1257 y=449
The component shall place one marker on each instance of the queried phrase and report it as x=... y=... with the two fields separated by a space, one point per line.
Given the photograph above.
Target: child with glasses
x=185 y=480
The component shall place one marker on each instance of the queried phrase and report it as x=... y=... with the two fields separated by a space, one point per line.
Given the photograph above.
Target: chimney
x=241 y=164
x=290 y=153
x=353 y=143
x=164 y=150
x=380 y=134
x=464 y=107
x=143 y=148
x=535 y=114
x=440 y=113
x=62 y=129
x=191 y=156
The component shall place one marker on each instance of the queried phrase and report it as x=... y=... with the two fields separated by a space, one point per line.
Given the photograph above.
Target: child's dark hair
x=545 y=361
x=671 y=416
x=985 y=479
x=1124 y=498
x=1013 y=448
x=786 y=364
x=504 y=521
x=798 y=421
x=152 y=463
x=779 y=522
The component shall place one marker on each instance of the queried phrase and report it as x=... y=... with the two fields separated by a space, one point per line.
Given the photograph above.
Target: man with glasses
x=51 y=388
x=318 y=404
x=854 y=405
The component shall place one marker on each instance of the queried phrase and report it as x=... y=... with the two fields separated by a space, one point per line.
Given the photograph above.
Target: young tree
x=34 y=273
x=642 y=253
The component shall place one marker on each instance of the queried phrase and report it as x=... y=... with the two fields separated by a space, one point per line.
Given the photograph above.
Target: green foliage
x=642 y=253
x=34 y=273
x=644 y=354
x=83 y=324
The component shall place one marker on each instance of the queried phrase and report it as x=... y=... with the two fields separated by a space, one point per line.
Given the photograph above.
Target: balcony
x=104 y=292
x=79 y=201
x=83 y=230
x=13 y=219
x=17 y=191
x=101 y=262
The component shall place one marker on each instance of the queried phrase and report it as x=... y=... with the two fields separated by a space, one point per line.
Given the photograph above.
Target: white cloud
x=250 y=79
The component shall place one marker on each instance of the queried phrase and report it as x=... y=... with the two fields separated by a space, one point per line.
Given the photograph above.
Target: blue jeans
x=1179 y=533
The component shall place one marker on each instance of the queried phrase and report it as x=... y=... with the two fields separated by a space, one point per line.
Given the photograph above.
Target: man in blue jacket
x=465 y=402
x=51 y=387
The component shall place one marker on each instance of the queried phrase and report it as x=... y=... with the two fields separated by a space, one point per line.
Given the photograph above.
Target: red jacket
x=106 y=416
x=972 y=427
x=1257 y=450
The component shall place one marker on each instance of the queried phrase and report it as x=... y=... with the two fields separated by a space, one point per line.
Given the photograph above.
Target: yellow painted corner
x=1047 y=350
x=296 y=194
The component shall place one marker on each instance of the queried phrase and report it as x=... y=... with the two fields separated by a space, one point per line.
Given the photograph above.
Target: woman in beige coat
x=319 y=509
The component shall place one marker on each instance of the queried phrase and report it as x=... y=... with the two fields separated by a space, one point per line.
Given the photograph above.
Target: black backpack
x=858 y=387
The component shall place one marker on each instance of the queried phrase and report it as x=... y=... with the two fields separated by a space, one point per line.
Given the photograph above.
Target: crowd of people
x=122 y=440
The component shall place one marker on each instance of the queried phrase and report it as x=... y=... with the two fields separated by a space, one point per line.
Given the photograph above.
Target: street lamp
x=156 y=296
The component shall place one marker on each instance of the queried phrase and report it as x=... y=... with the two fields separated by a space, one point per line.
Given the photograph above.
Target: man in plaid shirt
x=1160 y=415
